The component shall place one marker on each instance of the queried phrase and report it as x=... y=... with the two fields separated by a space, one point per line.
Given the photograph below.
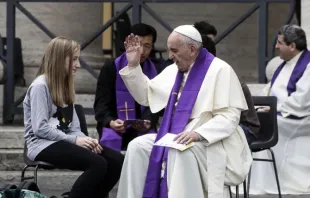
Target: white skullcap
x=189 y=31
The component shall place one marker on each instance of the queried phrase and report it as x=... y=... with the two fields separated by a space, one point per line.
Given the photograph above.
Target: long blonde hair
x=59 y=81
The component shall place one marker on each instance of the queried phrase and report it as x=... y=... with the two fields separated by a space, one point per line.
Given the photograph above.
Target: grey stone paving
x=113 y=195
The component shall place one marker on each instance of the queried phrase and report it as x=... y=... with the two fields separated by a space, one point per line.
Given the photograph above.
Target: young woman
x=52 y=128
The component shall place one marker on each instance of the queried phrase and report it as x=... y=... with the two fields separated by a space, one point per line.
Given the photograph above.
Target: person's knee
x=142 y=143
x=119 y=160
x=136 y=145
x=99 y=164
x=187 y=154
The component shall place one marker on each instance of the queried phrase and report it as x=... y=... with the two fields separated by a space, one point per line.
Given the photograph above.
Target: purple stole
x=126 y=108
x=297 y=73
x=175 y=122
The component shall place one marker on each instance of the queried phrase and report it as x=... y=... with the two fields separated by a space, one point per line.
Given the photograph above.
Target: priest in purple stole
x=249 y=121
x=290 y=84
x=203 y=100
x=114 y=104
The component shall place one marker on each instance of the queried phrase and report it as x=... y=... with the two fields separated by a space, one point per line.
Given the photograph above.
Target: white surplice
x=204 y=170
x=292 y=151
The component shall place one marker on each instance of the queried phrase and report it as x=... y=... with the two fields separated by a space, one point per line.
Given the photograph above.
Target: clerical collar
x=294 y=59
x=189 y=69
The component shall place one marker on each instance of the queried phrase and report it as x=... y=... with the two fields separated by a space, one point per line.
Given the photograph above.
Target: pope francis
x=203 y=99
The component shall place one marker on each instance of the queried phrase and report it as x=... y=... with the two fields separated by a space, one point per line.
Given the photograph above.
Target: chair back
x=81 y=115
x=268 y=136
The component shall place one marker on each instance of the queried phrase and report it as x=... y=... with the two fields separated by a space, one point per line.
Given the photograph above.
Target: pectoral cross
x=126 y=110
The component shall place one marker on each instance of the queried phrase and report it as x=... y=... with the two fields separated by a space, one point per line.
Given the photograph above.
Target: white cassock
x=204 y=170
x=292 y=151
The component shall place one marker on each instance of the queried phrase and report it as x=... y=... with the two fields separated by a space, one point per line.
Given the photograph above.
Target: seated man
x=114 y=104
x=203 y=101
x=249 y=121
x=208 y=33
x=290 y=84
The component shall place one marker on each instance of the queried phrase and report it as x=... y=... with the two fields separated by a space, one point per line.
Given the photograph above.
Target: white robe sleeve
x=227 y=90
x=221 y=126
x=298 y=103
x=228 y=102
x=137 y=90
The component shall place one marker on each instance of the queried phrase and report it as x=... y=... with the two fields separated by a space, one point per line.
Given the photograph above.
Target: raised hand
x=133 y=50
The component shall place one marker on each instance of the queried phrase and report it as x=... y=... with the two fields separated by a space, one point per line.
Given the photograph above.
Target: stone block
x=240 y=47
x=53 y=180
x=256 y=89
x=12 y=145
x=11 y=159
x=78 y=21
x=305 y=17
x=57 y=181
x=11 y=137
x=86 y=100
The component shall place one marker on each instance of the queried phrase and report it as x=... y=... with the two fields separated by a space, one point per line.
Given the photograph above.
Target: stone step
x=12 y=145
x=12 y=137
x=256 y=89
x=56 y=180
x=11 y=159
x=86 y=100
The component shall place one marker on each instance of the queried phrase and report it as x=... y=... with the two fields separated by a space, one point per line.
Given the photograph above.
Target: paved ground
x=113 y=195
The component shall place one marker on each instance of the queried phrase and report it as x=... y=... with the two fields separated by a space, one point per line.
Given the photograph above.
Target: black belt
x=291 y=116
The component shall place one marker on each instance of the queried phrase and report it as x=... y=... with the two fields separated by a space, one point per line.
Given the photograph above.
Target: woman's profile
x=52 y=128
